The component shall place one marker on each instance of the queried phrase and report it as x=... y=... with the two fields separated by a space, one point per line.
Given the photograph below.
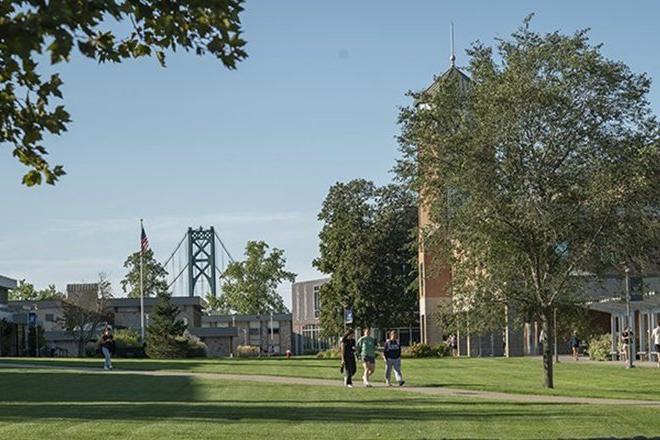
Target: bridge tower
x=201 y=259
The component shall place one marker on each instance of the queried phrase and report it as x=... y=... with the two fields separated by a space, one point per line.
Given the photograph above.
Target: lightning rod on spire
x=452 y=58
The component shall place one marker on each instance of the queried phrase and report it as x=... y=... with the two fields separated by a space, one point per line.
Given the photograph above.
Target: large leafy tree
x=367 y=245
x=83 y=314
x=153 y=274
x=26 y=292
x=250 y=286
x=546 y=168
x=35 y=33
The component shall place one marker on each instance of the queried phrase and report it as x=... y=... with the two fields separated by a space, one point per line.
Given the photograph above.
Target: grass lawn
x=515 y=375
x=40 y=405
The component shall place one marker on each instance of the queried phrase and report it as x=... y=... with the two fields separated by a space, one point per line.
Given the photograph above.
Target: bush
x=178 y=347
x=600 y=347
x=192 y=346
x=127 y=344
x=247 y=351
x=418 y=350
x=93 y=349
x=331 y=353
x=443 y=350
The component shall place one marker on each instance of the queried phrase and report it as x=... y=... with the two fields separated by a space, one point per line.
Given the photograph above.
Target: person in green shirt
x=366 y=349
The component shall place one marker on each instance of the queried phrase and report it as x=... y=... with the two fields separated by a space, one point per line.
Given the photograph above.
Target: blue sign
x=348 y=316
x=32 y=319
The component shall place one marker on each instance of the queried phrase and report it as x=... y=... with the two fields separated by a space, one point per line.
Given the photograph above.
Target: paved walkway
x=436 y=391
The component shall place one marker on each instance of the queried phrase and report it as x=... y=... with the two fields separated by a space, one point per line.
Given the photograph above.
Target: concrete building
x=306 y=308
x=126 y=311
x=271 y=334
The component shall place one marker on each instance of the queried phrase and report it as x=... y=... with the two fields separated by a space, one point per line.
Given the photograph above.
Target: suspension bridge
x=196 y=264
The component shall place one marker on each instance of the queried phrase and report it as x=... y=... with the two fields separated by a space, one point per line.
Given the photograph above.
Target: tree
x=164 y=329
x=545 y=167
x=368 y=245
x=250 y=286
x=153 y=274
x=217 y=305
x=26 y=292
x=84 y=313
x=34 y=32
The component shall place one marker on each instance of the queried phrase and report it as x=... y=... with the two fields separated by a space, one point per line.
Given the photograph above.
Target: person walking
x=656 y=341
x=347 y=352
x=625 y=341
x=366 y=348
x=392 y=358
x=453 y=345
x=575 y=346
x=107 y=348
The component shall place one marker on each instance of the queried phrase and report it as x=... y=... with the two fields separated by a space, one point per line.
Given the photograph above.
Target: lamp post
x=555 y=337
x=36 y=332
x=631 y=338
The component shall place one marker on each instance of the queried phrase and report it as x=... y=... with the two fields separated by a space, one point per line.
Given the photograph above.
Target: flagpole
x=141 y=284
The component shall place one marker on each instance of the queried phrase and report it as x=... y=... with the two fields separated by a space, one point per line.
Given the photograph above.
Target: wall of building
x=254 y=330
x=218 y=346
x=305 y=302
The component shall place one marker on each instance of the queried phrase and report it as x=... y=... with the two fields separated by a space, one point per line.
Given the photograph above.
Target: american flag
x=144 y=241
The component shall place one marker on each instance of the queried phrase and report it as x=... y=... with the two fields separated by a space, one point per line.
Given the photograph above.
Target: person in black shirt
x=575 y=346
x=107 y=348
x=347 y=352
x=392 y=357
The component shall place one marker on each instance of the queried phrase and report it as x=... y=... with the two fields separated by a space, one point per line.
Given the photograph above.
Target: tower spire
x=452 y=58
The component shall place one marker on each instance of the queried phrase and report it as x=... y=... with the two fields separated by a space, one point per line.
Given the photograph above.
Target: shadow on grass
x=35 y=395
x=267 y=411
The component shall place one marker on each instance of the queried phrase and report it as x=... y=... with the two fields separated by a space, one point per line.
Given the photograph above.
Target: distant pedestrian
x=625 y=343
x=347 y=352
x=107 y=348
x=366 y=349
x=575 y=346
x=392 y=357
x=656 y=341
x=453 y=345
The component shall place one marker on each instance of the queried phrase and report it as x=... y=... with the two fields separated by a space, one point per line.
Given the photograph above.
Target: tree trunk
x=548 y=330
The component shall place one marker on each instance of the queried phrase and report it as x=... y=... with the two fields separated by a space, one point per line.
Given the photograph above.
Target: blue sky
x=254 y=151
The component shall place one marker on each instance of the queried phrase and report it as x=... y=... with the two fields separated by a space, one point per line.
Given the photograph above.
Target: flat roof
x=8 y=283
x=617 y=305
x=176 y=300
x=206 y=332
x=230 y=318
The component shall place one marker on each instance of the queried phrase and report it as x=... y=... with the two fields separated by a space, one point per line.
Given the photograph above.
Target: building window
x=275 y=328
x=422 y=280
x=50 y=317
x=312 y=340
x=317 y=301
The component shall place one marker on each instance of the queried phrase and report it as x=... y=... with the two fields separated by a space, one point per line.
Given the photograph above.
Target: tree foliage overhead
x=37 y=32
x=26 y=292
x=250 y=286
x=367 y=245
x=153 y=274
x=545 y=168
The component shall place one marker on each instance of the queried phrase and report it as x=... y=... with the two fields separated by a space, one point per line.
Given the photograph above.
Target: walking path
x=436 y=391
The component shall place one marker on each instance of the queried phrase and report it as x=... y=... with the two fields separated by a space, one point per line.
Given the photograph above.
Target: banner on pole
x=348 y=316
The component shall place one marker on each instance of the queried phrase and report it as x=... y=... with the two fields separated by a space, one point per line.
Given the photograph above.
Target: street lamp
x=631 y=337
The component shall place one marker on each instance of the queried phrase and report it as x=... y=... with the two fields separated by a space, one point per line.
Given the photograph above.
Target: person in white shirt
x=656 y=341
